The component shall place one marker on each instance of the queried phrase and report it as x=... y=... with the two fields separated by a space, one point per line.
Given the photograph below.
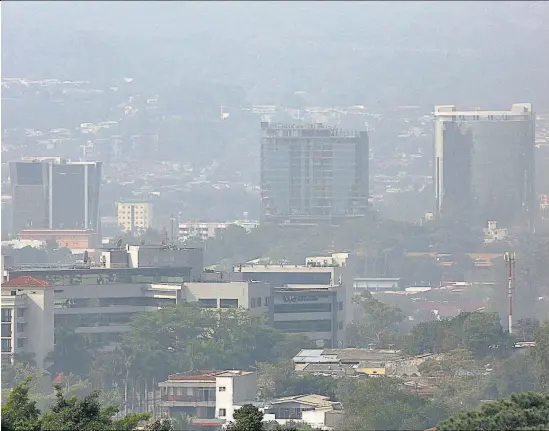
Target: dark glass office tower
x=484 y=165
x=52 y=193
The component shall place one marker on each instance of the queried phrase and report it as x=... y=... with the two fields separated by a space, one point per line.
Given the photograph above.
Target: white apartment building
x=135 y=216
x=27 y=318
x=207 y=395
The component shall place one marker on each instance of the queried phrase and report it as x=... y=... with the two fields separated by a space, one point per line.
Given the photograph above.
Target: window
x=222 y=389
x=304 y=325
x=340 y=305
x=6 y=346
x=252 y=303
x=6 y=315
x=259 y=301
x=208 y=303
x=6 y=330
x=228 y=303
x=340 y=325
x=222 y=413
x=267 y=300
x=303 y=307
x=21 y=343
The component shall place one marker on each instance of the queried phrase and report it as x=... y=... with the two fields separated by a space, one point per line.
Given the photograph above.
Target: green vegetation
x=481 y=333
x=525 y=411
x=19 y=413
x=376 y=323
x=382 y=403
x=280 y=379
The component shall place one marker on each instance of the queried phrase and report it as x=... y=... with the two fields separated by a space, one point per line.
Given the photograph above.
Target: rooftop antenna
x=172 y=219
x=510 y=269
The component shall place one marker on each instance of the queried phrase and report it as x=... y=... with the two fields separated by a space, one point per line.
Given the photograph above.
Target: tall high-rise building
x=484 y=165
x=52 y=193
x=313 y=173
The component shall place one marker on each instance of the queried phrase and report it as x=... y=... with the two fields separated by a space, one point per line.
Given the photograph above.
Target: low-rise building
x=207 y=395
x=77 y=239
x=315 y=410
x=27 y=318
x=493 y=234
x=361 y=284
x=354 y=361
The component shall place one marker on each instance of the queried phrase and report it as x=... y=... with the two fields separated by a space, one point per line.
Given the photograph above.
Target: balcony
x=184 y=400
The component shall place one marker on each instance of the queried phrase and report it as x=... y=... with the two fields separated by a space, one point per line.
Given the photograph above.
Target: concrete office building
x=484 y=165
x=316 y=311
x=27 y=318
x=313 y=173
x=311 y=299
x=53 y=193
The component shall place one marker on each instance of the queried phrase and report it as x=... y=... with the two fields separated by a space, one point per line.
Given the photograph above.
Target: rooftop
x=26 y=281
x=207 y=375
x=345 y=355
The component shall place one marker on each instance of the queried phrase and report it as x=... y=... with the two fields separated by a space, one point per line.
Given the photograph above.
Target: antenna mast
x=510 y=267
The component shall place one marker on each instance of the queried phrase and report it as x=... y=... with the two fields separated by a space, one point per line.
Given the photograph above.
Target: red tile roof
x=26 y=281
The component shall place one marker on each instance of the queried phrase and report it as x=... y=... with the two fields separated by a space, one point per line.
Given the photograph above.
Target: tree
x=480 y=332
x=376 y=321
x=247 y=418
x=86 y=414
x=483 y=331
x=540 y=355
x=523 y=411
x=384 y=403
x=187 y=336
x=20 y=413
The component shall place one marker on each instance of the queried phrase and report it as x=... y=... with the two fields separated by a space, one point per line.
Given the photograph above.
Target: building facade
x=207 y=394
x=313 y=173
x=27 y=319
x=255 y=296
x=316 y=311
x=484 y=165
x=135 y=216
x=55 y=193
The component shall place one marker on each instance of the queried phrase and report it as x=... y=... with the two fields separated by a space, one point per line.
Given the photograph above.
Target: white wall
x=243 y=291
x=40 y=322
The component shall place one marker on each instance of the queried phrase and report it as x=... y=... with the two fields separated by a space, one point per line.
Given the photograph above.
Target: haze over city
x=275 y=215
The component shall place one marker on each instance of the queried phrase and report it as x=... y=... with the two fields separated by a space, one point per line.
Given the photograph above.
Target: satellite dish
x=320 y=343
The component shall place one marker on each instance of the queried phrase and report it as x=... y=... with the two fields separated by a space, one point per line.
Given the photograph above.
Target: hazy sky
x=288 y=46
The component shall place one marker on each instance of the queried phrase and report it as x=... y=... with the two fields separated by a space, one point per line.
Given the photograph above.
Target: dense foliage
x=524 y=411
x=19 y=413
x=382 y=403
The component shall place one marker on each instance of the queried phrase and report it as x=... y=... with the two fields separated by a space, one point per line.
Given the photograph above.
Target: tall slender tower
x=484 y=165
x=510 y=267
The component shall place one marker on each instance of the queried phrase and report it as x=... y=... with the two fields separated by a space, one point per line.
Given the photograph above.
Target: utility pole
x=510 y=269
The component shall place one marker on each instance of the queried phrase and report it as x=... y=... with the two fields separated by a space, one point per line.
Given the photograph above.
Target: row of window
x=304 y=325
x=223 y=303
x=256 y=302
